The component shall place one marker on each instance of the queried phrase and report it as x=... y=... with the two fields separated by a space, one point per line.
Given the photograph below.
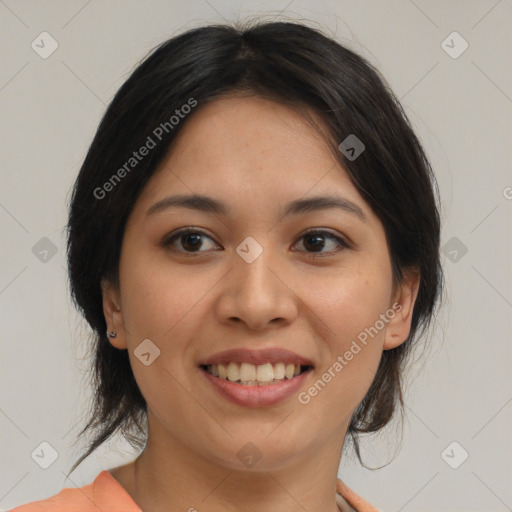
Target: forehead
x=239 y=129
x=249 y=149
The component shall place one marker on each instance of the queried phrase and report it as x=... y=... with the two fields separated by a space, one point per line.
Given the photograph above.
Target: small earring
x=112 y=334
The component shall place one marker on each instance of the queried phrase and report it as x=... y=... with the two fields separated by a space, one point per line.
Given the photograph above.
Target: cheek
x=349 y=308
x=155 y=295
x=352 y=302
x=160 y=304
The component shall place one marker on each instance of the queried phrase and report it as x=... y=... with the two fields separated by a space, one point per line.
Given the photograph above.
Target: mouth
x=248 y=385
x=256 y=377
x=248 y=374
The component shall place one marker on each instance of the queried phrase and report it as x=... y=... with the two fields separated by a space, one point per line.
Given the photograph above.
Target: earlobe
x=399 y=326
x=113 y=315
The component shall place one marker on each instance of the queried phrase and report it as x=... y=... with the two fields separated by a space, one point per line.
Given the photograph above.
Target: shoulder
x=354 y=500
x=107 y=495
x=104 y=494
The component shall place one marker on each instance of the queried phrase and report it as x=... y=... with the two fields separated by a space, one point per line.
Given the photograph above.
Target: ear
x=113 y=313
x=399 y=326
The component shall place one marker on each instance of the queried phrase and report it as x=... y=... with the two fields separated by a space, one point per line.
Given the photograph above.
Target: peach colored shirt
x=107 y=494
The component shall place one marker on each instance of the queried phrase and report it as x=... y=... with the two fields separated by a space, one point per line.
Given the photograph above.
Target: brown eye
x=189 y=240
x=314 y=241
x=192 y=241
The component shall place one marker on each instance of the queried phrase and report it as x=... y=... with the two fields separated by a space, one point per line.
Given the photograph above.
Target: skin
x=256 y=156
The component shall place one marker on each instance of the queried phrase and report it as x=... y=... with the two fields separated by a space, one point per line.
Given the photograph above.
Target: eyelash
x=168 y=240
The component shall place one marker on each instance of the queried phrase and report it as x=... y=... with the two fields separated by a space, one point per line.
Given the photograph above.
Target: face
x=252 y=278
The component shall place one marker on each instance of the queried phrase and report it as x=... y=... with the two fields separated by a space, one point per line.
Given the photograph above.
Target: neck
x=175 y=477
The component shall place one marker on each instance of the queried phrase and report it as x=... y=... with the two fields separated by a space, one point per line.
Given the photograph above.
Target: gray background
x=461 y=110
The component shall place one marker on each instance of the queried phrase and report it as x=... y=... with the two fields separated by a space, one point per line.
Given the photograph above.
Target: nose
x=258 y=294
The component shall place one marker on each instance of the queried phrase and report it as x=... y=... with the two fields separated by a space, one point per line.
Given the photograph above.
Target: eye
x=189 y=239
x=314 y=240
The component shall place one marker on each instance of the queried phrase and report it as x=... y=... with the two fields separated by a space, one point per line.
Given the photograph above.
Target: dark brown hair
x=295 y=65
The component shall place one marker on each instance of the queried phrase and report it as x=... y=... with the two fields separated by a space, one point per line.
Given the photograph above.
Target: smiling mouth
x=247 y=374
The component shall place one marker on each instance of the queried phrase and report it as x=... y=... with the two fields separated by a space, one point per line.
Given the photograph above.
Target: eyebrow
x=210 y=205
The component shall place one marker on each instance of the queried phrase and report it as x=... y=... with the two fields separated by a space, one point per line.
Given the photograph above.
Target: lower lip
x=256 y=396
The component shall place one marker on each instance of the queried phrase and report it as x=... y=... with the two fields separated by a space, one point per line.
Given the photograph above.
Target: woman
x=254 y=239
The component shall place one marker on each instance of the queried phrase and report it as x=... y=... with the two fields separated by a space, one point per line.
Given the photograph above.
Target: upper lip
x=257 y=357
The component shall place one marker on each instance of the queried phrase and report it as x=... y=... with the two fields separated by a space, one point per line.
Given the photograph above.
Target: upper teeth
x=246 y=372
